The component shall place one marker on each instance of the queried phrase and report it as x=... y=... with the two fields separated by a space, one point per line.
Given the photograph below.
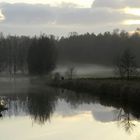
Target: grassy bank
x=111 y=88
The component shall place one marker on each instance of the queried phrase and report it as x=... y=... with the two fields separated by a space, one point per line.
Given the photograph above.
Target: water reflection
x=40 y=103
x=125 y=120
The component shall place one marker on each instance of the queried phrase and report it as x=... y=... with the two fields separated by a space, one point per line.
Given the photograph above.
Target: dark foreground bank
x=109 y=88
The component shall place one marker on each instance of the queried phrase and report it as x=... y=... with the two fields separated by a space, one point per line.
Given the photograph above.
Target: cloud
x=116 y=3
x=37 y=14
x=67 y=17
x=132 y=3
x=108 y=3
x=27 y=13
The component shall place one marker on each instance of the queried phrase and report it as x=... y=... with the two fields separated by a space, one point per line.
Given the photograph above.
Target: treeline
x=23 y=54
x=98 y=49
x=38 y=54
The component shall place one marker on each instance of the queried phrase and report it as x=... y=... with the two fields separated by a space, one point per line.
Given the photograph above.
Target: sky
x=33 y=17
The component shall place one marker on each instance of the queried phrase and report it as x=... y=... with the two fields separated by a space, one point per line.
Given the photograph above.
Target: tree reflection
x=76 y=99
x=42 y=105
x=38 y=103
x=126 y=121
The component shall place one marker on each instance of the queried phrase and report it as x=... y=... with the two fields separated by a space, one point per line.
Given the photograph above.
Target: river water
x=38 y=112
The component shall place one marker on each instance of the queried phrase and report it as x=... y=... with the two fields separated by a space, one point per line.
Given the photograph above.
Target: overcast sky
x=59 y=17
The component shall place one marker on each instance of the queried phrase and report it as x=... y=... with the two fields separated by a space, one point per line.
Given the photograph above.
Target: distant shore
x=104 y=87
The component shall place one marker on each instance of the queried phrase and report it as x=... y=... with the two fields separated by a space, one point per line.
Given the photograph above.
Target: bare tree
x=70 y=72
x=126 y=65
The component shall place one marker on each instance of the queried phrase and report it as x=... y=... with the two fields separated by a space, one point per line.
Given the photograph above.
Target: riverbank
x=112 y=88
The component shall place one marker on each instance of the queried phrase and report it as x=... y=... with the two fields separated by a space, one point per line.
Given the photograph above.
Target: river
x=38 y=112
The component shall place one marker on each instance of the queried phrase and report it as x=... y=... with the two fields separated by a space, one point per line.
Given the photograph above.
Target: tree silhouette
x=41 y=56
x=70 y=72
x=126 y=65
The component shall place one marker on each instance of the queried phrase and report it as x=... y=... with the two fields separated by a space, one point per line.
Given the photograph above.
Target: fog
x=87 y=70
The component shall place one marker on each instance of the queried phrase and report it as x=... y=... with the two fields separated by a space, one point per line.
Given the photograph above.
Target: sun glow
x=2 y=17
x=131 y=22
x=132 y=11
x=79 y=3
